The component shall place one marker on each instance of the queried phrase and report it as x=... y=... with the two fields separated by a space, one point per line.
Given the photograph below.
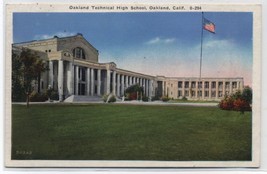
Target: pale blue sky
x=154 y=43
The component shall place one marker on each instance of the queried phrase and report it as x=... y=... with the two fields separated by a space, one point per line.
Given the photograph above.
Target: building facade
x=74 y=69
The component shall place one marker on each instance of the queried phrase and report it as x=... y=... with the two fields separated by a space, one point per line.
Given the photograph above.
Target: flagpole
x=200 y=63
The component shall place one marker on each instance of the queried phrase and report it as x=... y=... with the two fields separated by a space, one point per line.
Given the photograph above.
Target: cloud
x=221 y=58
x=158 y=40
x=59 y=34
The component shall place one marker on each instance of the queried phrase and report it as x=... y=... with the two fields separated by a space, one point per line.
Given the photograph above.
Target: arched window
x=78 y=53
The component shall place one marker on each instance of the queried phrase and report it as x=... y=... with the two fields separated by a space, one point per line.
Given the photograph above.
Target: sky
x=154 y=43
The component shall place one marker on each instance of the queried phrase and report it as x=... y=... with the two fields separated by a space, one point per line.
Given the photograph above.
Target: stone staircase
x=83 y=99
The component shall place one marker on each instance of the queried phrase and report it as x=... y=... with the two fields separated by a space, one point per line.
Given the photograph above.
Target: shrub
x=241 y=105
x=226 y=103
x=155 y=98
x=133 y=91
x=165 y=98
x=145 y=99
x=184 y=98
x=132 y=96
x=111 y=99
x=37 y=97
x=237 y=102
x=54 y=95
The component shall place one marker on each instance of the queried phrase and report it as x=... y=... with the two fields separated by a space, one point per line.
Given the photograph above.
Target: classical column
x=141 y=82
x=190 y=89
x=131 y=80
x=98 y=81
x=183 y=88
x=70 y=78
x=134 y=80
x=88 y=81
x=60 y=79
x=147 y=87
x=203 y=89
x=231 y=87
x=122 y=85
x=108 y=82
x=118 y=85
x=217 y=90
x=76 y=79
x=114 y=83
x=92 y=82
x=196 y=90
x=150 y=88
x=126 y=82
x=51 y=74
x=210 y=82
x=238 y=85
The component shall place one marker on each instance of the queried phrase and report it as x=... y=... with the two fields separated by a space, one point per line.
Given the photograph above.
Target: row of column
x=122 y=82
x=210 y=89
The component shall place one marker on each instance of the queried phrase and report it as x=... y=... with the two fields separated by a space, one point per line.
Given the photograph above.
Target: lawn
x=129 y=132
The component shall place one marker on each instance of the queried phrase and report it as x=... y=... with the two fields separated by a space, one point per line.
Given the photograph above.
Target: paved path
x=129 y=103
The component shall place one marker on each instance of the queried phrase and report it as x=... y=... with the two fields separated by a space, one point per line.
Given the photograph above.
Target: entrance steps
x=83 y=99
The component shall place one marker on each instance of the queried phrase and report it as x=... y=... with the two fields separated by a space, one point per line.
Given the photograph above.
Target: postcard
x=132 y=85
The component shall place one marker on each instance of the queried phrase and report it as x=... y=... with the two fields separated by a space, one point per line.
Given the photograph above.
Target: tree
x=134 y=91
x=18 y=93
x=27 y=67
x=247 y=94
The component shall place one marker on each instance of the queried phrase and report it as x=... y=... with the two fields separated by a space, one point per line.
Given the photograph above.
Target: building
x=74 y=69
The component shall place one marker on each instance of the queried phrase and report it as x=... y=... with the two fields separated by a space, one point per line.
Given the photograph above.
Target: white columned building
x=74 y=69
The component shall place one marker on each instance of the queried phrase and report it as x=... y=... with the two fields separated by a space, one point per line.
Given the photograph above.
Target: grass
x=130 y=132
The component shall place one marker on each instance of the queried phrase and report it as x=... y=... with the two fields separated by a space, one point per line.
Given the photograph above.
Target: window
x=78 y=53
x=234 y=85
x=227 y=85
x=206 y=93
x=186 y=85
x=193 y=85
x=213 y=85
x=220 y=93
x=213 y=93
x=199 y=84
x=207 y=85
x=180 y=84
x=193 y=93
x=186 y=93
x=179 y=93
x=220 y=85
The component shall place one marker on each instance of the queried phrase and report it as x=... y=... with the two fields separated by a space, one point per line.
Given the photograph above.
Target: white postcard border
x=256 y=84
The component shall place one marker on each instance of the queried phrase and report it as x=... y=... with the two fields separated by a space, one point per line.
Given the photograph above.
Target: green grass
x=129 y=132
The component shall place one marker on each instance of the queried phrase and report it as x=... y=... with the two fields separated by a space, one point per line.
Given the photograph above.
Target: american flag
x=208 y=25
